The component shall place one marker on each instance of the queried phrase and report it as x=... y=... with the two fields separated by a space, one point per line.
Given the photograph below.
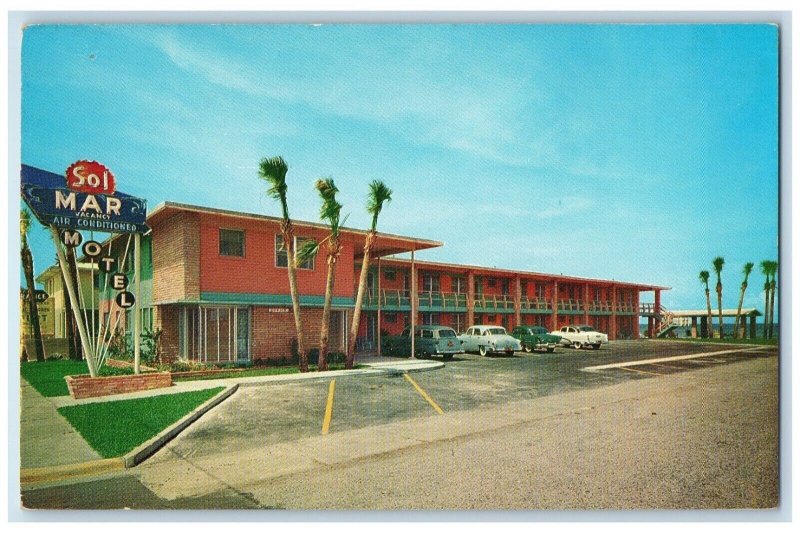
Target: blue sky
x=628 y=152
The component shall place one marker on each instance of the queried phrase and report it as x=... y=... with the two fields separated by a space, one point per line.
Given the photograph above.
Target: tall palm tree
x=746 y=270
x=766 y=267
x=772 y=287
x=718 y=263
x=27 y=267
x=331 y=213
x=379 y=193
x=704 y=275
x=273 y=171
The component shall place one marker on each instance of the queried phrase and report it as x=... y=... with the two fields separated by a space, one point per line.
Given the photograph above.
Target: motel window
x=459 y=285
x=540 y=290
x=429 y=319
x=506 y=287
x=458 y=322
x=282 y=258
x=430 y=282
x=491 y=282
x=390 y=318
x=389 y=275
x=598 y=294
x=231 y=242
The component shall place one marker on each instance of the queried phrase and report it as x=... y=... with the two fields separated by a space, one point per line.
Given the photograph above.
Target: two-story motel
x=215 y=283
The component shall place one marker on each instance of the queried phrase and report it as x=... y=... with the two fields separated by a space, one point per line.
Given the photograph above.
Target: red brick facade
x=87 y=387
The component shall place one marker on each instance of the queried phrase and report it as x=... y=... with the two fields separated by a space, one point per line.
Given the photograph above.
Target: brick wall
x=256 y=271
x=272 y=333
x=176 y=258
x=87 y=387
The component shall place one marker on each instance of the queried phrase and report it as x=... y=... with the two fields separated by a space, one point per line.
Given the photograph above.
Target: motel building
x=215 y=283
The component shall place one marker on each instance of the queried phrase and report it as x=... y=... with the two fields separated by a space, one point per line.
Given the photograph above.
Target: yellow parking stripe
x=639 y=371
x=326 y=422
x=424 y=394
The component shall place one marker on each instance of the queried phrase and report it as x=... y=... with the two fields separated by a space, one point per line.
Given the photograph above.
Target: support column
x=379 y=306
x=137 y=308
x=612 y=334
x=694 y=327
x=517 y=302
x=704 y=326
x=413 y=297
x=636 y=309
x=470 y=299
x=554 y=304
x=585 y=303
x=650 y=327
x=753 y=327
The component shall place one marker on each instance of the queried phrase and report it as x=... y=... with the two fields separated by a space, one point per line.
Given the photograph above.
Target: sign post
x=89 y=200
x=137 y=315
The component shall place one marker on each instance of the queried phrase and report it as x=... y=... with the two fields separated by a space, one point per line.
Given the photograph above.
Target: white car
x=489 y=339
x=580 y=336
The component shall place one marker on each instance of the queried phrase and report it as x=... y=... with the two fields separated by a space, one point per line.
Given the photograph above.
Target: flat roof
x=750 y=311
x=386 y=243
x=461 y=267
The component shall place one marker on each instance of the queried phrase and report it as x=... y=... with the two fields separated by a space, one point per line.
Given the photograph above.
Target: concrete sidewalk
x=46 y=438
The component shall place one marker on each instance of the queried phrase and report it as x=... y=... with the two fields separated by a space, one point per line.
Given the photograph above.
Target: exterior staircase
x=667 y=322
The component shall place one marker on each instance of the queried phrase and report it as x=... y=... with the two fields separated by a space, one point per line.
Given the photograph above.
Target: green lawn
x=266 y=371
x=48 y=377
x=726 y=340
x=115 y=428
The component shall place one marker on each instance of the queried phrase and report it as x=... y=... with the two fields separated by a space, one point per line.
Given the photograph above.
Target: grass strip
x=254 y=372
x=48 y=377
x=724 y=340
x=115 y=428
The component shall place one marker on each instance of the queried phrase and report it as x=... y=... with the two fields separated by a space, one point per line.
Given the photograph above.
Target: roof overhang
x=385 y=243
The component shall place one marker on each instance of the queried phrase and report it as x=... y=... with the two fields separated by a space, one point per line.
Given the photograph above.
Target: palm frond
x=718 y=262
x=703 y=276
x=379 y=193
x=306 y=251
x=765 y=267
x=273 y=170
x=747 y=269
x=24 y=225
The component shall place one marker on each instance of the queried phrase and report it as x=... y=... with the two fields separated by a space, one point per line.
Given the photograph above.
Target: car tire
x=509 y=353
x=483 y=350
x=447 y=357
x=577 y=345
x=551 y=350
x=595 y=346
x=527 y=348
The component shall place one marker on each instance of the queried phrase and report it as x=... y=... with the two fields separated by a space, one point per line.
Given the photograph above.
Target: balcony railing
x=535 y=304
x=570 y=305
x=485 y=302
x=444 y=300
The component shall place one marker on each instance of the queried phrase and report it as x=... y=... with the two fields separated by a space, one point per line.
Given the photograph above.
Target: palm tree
x=719 y=262
x=331 y=213
x=704 y=275
x=27 y=268
x=378 y=194
x=766 y=267
x=772 y=287
x=273 y=171
x=748 y=268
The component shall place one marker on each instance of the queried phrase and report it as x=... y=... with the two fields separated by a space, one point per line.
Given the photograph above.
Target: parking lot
x=261 y=415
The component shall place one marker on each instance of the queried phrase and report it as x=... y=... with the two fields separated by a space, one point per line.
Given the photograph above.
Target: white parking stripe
x=672 y=358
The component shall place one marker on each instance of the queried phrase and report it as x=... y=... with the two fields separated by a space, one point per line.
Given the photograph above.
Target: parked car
x=535 y=338
x=580 y=336
x=430 y=340
x=489 y=339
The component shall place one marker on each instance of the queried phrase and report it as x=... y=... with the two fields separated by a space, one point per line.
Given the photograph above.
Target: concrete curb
x=54 y=473
x=145 y=450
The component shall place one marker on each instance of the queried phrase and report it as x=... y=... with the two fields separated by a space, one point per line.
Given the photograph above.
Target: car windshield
x=586 y=328
x=538 y=330
x=446 y=333
x=497 y=331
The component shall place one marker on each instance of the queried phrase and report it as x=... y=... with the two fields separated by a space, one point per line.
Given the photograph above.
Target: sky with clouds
x=627 y=152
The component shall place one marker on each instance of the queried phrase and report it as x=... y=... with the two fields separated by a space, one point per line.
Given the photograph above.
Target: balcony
x=442 y=300
x=570 y=306
x=535 y=304
x=496 y=302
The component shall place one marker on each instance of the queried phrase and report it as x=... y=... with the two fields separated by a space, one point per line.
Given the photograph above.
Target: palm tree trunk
x=719 y=304
x=326 y=314
x=766 y=310
x=362 y=285
x=288 y=242
x=772 y=309
x=73 y=337
x=709 y=325
x=739 y=311
x=33 y=309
